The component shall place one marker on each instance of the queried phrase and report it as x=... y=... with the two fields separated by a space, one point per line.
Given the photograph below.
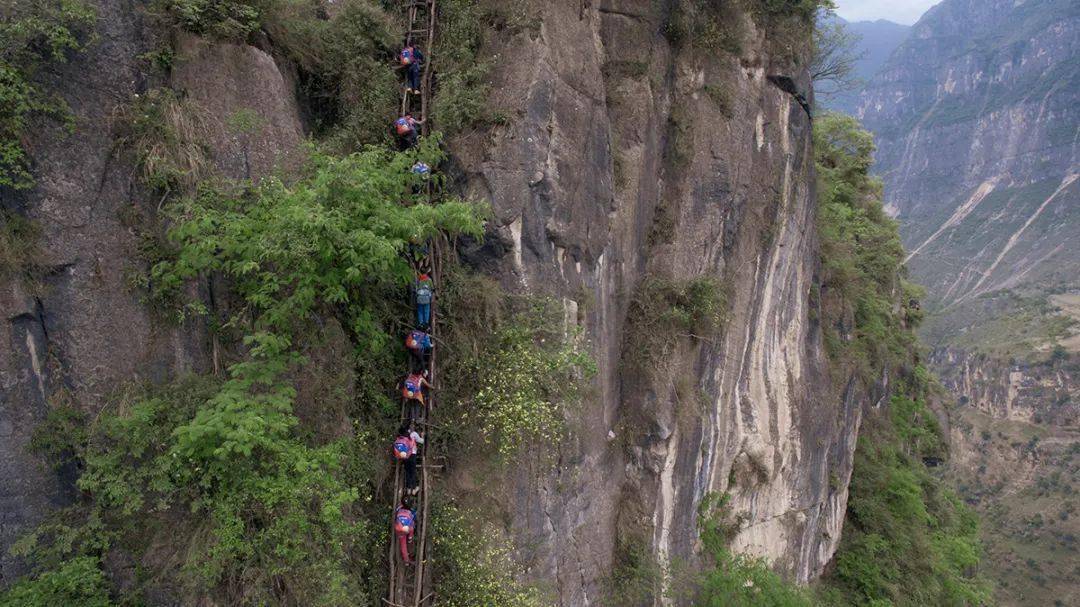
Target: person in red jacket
x=406 y=449
x=405 y=527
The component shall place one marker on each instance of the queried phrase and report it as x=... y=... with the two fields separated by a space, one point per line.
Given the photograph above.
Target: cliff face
x=626 y=157
x=602 y=181
x=976 y=116
x=84 y=330
x=1039 y=393
x=1013 y=443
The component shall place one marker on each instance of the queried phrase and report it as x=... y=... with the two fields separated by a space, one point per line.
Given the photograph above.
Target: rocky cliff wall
x=1035 y=392
x=626 y=156
x=83 y=330
x=601 y=180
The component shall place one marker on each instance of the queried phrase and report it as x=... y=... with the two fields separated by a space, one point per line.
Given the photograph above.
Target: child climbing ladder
x=409 y=552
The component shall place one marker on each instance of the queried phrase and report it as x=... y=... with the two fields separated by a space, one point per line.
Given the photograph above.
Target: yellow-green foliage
x=512 y=379
x=33 y=34
x=474 y=568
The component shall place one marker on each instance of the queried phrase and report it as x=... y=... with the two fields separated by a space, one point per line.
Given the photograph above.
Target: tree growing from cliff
x=833 y=57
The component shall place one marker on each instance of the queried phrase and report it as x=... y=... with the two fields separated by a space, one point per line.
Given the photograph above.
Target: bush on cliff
x=907 y=539
x=33 y=34
x=861 y=254
x=75 y=583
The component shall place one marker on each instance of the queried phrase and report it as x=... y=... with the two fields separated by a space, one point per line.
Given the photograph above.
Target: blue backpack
x=402 y=448
x=403 y=521
x=407 y=55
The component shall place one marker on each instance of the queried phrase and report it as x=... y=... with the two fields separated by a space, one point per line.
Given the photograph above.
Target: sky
x=900 y=11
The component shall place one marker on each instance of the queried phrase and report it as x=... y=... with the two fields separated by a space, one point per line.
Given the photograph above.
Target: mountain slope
x=876 y=42
x=977 y=118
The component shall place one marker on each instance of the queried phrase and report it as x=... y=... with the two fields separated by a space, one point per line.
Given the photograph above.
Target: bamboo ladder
x=411 y=586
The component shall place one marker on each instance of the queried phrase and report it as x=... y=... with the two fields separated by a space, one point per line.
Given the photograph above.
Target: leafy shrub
x=636 y=575
x=861 y=254
x=663 y=311
x=33 y=33
x=320 y=244
x=61 y=436
x=225 y=19
x=511 y=380
x=345 y=63
x=461 y=98
x=705 y=25
x=75 y=583
x=473 y=571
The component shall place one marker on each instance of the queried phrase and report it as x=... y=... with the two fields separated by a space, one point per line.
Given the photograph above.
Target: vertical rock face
x=631 y=158
x=1032 y=392
x=976 y=118
x=84 y=330
x=627 y=157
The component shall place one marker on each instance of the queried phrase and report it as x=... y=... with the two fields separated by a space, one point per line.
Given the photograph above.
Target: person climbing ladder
x=405 y=527
x=412 y=60
x=406 y=450
x=423 y=293
x=412 y=387
x=406 y=129
x=419 y=345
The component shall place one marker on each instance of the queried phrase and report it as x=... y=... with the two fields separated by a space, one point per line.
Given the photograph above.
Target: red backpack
x=407 y=55
x=412 y=386
x=403 y=126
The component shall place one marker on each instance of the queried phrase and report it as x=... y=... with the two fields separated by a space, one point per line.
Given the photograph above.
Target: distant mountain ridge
x=877 y=40
x=977 y=116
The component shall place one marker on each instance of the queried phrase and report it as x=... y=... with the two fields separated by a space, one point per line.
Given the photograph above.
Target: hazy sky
x=900 y=11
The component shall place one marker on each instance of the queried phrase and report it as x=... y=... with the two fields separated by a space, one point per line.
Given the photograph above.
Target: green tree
x=75 y=583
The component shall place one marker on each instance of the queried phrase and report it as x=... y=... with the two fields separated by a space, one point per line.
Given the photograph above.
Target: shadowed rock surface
x=601 y=180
